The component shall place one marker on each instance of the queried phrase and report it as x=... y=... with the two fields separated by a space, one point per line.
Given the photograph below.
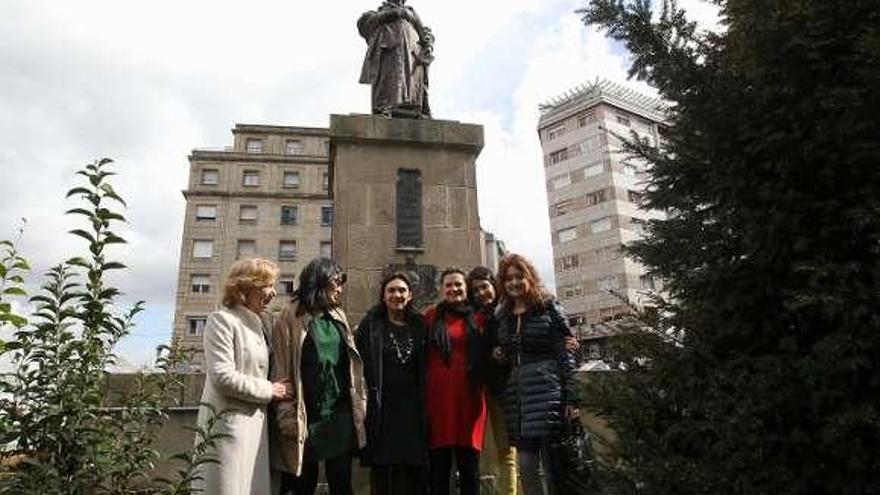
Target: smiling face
x=333 y=292
x=515 y=283
x=483 y=292
x=396 y=295
x=259 y=296
x=454 y=289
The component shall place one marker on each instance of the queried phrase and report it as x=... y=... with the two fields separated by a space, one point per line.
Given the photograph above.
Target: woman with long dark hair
x=391 y=340
x=456 y=406
x=532 y=330
x=315 y=349
x=482 y=296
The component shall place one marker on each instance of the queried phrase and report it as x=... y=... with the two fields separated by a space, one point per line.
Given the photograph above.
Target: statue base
x=405 y=194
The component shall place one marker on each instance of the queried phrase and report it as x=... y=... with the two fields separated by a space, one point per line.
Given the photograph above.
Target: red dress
x=456 y=408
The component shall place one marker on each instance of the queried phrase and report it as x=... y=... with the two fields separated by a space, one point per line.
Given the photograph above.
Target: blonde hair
x=244 y=276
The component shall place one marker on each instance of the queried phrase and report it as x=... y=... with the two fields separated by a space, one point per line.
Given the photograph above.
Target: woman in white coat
x=237 y=371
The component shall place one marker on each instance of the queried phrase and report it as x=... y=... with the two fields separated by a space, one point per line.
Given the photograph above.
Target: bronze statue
x=398 y=55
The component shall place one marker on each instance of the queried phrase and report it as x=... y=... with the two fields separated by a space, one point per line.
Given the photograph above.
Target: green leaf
x=111 y=238
x=114 y=265
x=14 y=291
x=79 y=190
x=110 y=193
x=85 y=235
x=78 y=262
x=80 y=211
x=105 y=214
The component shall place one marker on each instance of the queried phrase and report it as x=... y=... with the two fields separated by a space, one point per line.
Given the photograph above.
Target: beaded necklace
x=403 y=350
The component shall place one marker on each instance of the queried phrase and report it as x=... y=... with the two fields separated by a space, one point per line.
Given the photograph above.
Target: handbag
x=574 y=452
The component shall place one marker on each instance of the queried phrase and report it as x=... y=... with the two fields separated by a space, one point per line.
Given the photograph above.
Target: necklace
x=402 y=350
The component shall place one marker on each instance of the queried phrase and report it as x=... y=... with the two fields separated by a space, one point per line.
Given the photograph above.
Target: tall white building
x=594 y=191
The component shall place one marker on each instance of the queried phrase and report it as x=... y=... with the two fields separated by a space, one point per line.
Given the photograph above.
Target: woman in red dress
x=456 y=405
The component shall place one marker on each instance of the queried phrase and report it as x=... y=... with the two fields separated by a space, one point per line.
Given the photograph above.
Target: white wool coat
x=237 y=370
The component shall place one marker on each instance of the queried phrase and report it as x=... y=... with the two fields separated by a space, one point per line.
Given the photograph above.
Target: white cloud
x=146 y=82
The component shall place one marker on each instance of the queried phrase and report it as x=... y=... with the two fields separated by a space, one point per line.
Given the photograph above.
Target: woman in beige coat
x=237 y=382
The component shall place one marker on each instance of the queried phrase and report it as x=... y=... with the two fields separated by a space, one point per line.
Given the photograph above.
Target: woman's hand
x=572 y=412
x=282 y=390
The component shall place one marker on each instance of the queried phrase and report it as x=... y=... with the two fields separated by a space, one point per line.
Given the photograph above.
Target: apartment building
x=594 y=192
x=268 y=196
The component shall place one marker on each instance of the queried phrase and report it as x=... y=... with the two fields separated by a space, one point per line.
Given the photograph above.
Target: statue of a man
x=398 y=55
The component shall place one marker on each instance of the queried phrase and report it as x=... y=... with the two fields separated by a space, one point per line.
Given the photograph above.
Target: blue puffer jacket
x=540 y=367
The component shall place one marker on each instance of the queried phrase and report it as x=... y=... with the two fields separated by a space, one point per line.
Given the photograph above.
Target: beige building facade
x=267 y=195
x=594 y=192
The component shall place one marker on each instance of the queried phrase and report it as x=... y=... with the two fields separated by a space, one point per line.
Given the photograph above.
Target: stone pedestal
x=426 y=168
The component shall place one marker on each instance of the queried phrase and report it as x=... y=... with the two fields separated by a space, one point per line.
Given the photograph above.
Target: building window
x=247 y=248
x=576 y=320
x=558 y=156
x=251 y=178
x=561 y=181
x=254 y=145
x=325 y=181
x=600 y=225
x=289 y=215
x=596 y=197
x=571 y=291
x=210 y=177
x=607 y=253
x=326 y=216
x=608 y=283
x=293 y=147
x=287 y=250
x=200 y=284
x=203 y=249
x=623 y=121
x=586 y=118
x=634 y=197
x=286 y=285
x=587 y=145
x=570 y=262
x=206 y=213
x=647 y=282
x=291 y=179
x=555 y=132
x=325 y=250
x=568 y=235
x=594 y=170
x=562 y=207
x=247 y=214
x=196 y=324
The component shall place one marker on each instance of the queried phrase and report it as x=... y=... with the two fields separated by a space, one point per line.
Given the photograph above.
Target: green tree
x=66 y=435
x=762 y=372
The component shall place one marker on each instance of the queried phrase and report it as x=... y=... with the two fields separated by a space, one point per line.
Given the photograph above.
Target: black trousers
x=467 y=460
x=398 y=480
x=337 y=471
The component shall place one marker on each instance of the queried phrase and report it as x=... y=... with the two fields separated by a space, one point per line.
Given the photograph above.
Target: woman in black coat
x=532 y=331
x=391 y=341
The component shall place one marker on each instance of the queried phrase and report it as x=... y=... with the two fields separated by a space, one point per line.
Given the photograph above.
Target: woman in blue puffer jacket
x=532 y=329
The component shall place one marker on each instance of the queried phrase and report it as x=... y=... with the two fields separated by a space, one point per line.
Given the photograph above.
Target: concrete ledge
x=427 y=132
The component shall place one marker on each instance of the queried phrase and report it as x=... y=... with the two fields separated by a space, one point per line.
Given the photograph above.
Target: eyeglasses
x=339 y=279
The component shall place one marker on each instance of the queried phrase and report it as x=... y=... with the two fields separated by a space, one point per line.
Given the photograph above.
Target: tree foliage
x=762 y=373
x=63 y=433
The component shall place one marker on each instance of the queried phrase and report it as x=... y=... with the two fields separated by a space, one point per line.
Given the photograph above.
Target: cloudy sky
x=146 y=82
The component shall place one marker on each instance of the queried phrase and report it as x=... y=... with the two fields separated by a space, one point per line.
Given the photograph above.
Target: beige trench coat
x=237 y=369
x=290 y=416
